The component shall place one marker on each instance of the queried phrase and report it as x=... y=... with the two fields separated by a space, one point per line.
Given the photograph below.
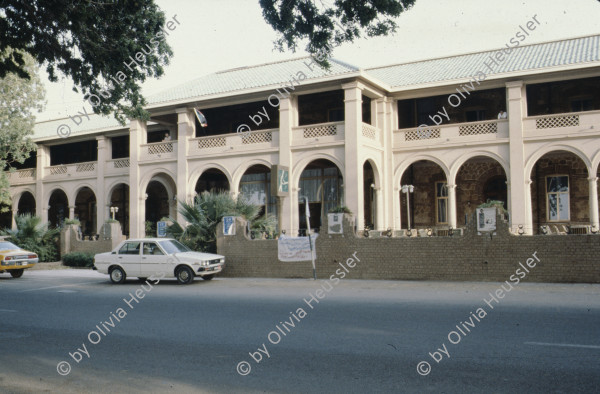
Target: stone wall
x=472 y=257
x=110 y=237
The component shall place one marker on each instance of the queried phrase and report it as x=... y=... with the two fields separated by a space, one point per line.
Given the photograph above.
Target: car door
x=153 y=259
x=129 y=257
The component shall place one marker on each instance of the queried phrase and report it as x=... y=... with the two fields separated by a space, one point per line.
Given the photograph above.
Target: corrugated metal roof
x=270 y=74
x=523 y=58
x=49 y=129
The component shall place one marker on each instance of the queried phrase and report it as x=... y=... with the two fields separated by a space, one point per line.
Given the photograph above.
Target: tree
x=328 y=25
x=19 y=97
x=92 y=42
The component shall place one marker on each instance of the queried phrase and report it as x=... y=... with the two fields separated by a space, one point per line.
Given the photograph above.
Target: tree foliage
x=19 y=98
x=327 y=25
x=90 y=41
x=206 y=212
x=33 y=235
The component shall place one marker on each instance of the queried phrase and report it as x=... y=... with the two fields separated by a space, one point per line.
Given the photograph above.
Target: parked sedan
x=15 y=260
x=157 y=257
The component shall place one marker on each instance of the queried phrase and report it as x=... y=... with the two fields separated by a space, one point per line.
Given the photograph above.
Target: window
x=557 y=192
x=475 y=115
x=130 y=248
x=441 y=202
x=151 y=248
x=582 y=104
x=255 y=186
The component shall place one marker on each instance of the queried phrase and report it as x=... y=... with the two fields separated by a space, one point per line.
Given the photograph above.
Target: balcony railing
x=253 y=140
x=166 y=150
x=488 y=130
x=560 y=124
x=322 y=132
x=22 y=176
x=371 y=132
x=87 y=169
x=117 y=166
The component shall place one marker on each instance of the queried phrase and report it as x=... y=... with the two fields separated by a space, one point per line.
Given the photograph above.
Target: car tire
x=185 y=275
x=208 y=277
x=117 y=275
x=16 y=273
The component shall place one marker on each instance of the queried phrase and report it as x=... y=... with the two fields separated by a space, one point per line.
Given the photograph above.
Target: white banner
x=296 y=249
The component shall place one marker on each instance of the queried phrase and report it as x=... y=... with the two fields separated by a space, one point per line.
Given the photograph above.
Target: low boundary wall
x=471 y=257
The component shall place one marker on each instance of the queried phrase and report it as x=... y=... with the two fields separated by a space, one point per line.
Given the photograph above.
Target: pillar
x=520 y=190
x=137 y=210
x=353 y=174
x=593 y=188
x=451 y=205
x=186 y=130
x=100 y=192
x=43 y=160
x=287 y=214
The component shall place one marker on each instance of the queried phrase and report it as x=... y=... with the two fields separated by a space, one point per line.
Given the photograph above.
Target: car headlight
x=205 y=263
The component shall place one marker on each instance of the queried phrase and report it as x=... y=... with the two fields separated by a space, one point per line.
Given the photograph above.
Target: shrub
x=494 y=204
x=112 y=221
x=72 y=221
x=78 y=259
x=33 y=235
x=340 y=209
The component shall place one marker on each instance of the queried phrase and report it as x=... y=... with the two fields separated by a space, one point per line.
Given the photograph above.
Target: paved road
x=361 y=337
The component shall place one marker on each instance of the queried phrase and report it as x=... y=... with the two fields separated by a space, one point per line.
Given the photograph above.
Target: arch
x=112 y=186
x=49 y=193
x=58 y=210
x=256 y=188
x=458 y=163
x=239 y=172
x=78 y=188
x=596 y=163
x=402 y=167
x=20 y=203
x=376 y=170
x=85 y=202
x=301 y=165
x=121 y=202
x=159 y=172
x=550 y=148
x=197 y=173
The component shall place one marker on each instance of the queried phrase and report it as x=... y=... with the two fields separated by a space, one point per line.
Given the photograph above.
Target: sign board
x=280 y=178
x=334 y=223
x=486 y=220
x=161 y=229
x=295 y=249
x=229 y=225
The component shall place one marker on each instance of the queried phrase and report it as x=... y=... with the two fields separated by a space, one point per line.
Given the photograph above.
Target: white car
x=157 y=258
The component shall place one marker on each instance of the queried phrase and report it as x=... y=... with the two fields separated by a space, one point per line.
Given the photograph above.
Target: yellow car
x=15 y=260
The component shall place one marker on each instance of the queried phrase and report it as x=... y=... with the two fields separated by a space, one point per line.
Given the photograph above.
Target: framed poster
x=280 y=178
x=486 y=220
x=161 y=229
x=229 y=225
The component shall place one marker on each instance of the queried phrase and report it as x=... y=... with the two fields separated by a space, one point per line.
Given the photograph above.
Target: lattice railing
x=85 y=167
x=256 y=137
x=422 y=134
x=319 y=131
x=58 y=170
x=370 y=131
x=160 y=148
x=215 y=142
x=24 y=174
x=478 y=128
x=551 y=122
x=121 y=163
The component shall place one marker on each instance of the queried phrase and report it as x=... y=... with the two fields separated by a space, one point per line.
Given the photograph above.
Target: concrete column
x=379 y=208
x=520 y=192
x=384 y=115
x=100 y=191
x=137 y=208
x=186 y=130
x=398 y=208
x=14 y=212
x=287 y=215
x=593 y=187
x=353 y=176
x=71 y=211
x=451 y=205
x=43 y=160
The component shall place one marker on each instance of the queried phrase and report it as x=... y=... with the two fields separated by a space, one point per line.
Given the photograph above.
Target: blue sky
x=222 y=34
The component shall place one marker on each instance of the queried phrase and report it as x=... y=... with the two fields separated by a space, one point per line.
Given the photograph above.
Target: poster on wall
x=229 y=225
x=335 y=223
x=295 y=249
x=280 y=186
x=486 y=220
x=161 y=229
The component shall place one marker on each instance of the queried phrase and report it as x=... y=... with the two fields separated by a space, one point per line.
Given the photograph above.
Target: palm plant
x=33 y=235
x=203 y=216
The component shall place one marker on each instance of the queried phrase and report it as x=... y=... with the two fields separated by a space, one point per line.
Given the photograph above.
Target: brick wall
x=111 y=236
x=564 y=258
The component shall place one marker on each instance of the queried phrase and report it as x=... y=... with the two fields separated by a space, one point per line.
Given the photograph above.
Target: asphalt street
x=278 y=336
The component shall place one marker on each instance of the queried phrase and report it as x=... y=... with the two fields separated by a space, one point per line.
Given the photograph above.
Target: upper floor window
x=557 y=196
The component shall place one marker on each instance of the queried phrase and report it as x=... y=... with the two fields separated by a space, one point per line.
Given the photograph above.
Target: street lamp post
x=408 y=189
x=113 y=211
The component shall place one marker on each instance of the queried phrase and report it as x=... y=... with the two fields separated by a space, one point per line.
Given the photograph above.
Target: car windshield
x=4 y=245
x=173 y=246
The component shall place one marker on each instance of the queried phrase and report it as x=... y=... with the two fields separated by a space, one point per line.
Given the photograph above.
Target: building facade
x=462 y=131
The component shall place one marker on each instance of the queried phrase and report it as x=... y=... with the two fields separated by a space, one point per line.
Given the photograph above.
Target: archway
x=369 y=195
x=255 y=186
x=157 y=205
x=559 y=190
x=85 y=210
x=119 y=198
x=321 y=182
x=429 y=205
x=26 y=204
x=212 y=179
x=58 y=209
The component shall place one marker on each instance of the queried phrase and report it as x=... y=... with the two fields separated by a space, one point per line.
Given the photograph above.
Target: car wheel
x=185 y=275
x=117 y=275
x=16 y=273
x=208 y=277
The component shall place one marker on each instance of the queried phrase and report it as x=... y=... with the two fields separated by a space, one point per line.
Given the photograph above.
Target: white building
x=348 y=136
